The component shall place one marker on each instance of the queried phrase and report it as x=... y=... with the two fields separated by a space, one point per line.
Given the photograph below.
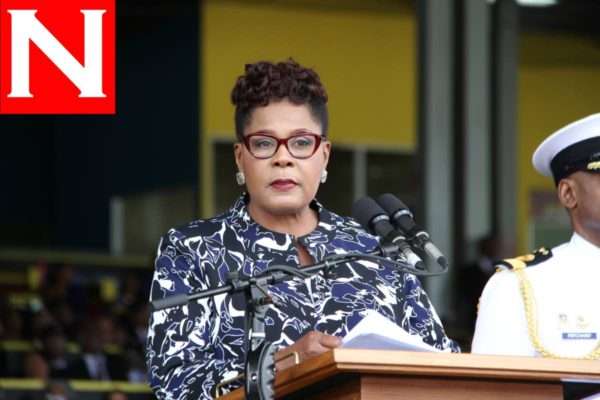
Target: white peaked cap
x=569 y=136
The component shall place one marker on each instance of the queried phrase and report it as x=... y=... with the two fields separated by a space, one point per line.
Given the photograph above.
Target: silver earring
x=324 y=176
x=240 y=178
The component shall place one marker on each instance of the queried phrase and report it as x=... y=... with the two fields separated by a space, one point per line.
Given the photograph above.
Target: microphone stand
x=260 y=363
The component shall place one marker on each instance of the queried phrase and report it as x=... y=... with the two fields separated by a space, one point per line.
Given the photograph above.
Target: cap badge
x=594 y=165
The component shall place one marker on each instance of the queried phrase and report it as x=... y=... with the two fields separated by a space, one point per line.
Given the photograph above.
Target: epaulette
x=528 y=260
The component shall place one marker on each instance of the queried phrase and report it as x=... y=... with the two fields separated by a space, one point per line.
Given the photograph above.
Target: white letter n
x=88 y=78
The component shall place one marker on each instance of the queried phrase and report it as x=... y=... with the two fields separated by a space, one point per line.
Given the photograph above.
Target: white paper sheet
x=376 y=332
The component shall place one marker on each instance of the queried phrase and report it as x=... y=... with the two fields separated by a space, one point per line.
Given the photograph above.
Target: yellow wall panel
x=365 y=59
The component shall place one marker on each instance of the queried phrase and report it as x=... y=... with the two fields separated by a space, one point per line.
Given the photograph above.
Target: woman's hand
x=309 y=345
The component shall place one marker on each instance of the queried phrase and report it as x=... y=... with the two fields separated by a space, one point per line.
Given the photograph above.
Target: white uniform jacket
x=566 y=305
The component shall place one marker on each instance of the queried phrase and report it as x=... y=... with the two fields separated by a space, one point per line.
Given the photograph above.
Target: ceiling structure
x=567 y=16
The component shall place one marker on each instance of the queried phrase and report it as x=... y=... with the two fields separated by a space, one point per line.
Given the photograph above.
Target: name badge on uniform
x=578 y=335
x=575 y=328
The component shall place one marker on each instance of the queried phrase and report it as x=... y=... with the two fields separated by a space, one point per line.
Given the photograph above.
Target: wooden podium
x=387 y=375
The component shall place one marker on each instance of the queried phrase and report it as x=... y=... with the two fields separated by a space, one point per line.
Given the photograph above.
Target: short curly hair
x=264 y=82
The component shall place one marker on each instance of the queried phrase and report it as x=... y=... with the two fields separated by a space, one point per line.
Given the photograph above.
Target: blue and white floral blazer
x=194 y=347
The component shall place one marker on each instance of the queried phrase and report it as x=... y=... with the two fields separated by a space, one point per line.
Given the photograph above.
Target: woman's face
x=281 y=185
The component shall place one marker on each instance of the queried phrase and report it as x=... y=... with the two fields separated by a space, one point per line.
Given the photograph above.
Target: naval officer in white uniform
x=548 y=303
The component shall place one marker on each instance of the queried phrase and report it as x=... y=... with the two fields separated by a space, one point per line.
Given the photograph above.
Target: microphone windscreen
x=398 y=212
x=391 y=204
x=364 y=210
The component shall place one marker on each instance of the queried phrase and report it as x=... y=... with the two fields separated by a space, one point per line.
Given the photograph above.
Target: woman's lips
x=283 y=184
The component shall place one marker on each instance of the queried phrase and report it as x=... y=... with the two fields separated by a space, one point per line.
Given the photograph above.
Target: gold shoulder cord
x=530 y=305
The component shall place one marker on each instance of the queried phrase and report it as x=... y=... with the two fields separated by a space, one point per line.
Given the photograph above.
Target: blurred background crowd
x=65 y=323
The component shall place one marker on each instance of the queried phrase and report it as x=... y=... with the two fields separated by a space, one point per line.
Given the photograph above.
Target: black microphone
x=403 y=219
x=374 y=219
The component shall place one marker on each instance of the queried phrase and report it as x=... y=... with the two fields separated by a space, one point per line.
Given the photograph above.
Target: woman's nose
x=282 y=156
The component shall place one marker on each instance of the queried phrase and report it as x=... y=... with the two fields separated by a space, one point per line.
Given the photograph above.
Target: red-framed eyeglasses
x=300 y=145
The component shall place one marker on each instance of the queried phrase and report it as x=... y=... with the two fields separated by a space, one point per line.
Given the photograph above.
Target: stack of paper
x=376 y=332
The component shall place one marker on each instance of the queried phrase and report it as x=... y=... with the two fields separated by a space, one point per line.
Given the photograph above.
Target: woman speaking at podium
x=281 y=155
